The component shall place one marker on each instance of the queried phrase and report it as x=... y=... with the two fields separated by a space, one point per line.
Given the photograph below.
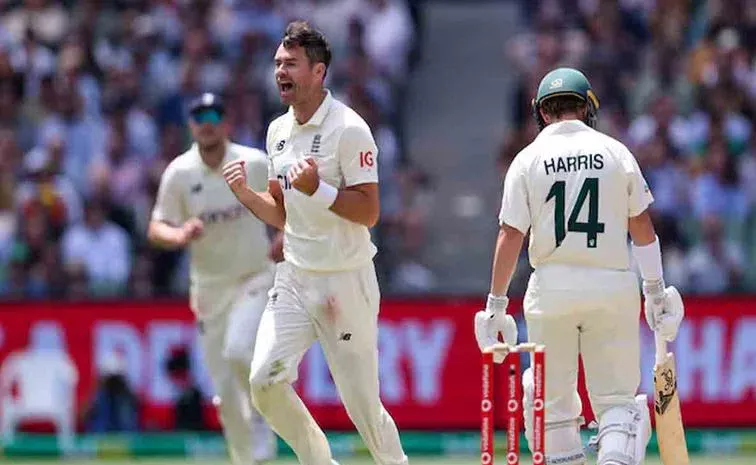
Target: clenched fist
x=191 y=230
x=304 y=176
x=235 y=174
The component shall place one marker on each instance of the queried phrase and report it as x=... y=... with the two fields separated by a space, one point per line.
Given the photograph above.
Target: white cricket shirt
x=340 y=141
x=234 y=243
x=575 y=189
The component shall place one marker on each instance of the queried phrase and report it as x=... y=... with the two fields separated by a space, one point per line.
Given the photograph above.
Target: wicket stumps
x=514 y=410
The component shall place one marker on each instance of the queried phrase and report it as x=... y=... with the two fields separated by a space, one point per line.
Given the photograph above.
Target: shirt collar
x=318 y=117
x=564 y=127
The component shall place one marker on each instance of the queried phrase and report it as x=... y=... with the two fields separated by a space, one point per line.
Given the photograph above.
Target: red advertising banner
x=430 y=363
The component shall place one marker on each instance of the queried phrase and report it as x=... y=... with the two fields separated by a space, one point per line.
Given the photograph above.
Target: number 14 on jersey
x=589 y=192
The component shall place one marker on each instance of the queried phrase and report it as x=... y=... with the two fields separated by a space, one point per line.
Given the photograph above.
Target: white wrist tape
x=325 y=194
x=497 y=303
x=649 y=260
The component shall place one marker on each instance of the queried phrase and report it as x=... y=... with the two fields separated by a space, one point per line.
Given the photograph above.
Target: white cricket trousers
x=340 y=310
x=592 y=313
x=228 y=337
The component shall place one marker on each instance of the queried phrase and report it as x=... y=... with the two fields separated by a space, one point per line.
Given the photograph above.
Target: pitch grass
x=418 y=460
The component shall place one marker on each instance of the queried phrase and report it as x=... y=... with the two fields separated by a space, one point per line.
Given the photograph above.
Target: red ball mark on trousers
x=331 y=308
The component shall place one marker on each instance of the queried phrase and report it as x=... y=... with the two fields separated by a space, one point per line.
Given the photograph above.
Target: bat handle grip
x=661 y=347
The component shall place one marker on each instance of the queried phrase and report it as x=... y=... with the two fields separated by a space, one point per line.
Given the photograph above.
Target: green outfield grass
x=654 y=460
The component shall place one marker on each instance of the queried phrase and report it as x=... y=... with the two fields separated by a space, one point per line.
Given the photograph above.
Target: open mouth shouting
x=285 y=89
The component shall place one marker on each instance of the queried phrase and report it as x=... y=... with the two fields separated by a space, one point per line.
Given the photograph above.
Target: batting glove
x=664 y=308
x=492 y=321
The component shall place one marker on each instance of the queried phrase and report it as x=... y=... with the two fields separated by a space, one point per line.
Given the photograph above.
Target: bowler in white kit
x=230 y=271
x=323 y=192
x=579 y=192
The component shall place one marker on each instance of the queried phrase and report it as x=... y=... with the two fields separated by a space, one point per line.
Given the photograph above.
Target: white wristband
x=649 y=260
x=325 y=194
x=497 y=303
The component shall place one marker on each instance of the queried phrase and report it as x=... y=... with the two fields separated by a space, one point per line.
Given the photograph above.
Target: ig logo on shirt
x=366 y=159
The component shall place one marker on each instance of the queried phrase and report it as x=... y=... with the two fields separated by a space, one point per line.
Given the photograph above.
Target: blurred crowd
x=93 y=101
x=93 y=106
x=677 y=84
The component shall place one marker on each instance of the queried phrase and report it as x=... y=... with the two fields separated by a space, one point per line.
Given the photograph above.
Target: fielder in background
x=579 y=193
x=231 y=270
x=323 y=192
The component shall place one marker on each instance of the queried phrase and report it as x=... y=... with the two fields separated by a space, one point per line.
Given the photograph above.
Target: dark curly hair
x=301 y=34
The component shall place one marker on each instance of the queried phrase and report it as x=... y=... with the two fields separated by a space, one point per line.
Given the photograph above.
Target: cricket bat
x=669 y=428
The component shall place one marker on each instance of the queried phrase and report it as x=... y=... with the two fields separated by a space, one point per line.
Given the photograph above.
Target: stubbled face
x=296 y=77
x=208 y=128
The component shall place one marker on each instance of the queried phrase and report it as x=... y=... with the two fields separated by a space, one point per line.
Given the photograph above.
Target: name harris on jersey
x=574 y=163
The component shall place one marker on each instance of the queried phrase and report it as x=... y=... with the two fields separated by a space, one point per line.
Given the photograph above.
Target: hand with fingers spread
x=235 y=174
x=304 y=176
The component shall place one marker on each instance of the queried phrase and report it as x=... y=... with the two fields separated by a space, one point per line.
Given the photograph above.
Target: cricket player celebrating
x=323 y=191
x=230 y=269
x=579 y=193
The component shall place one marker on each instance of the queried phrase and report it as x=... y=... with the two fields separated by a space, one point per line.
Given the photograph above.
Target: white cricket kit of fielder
x=230 y=277
x=574 y=188
x=326 y=290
